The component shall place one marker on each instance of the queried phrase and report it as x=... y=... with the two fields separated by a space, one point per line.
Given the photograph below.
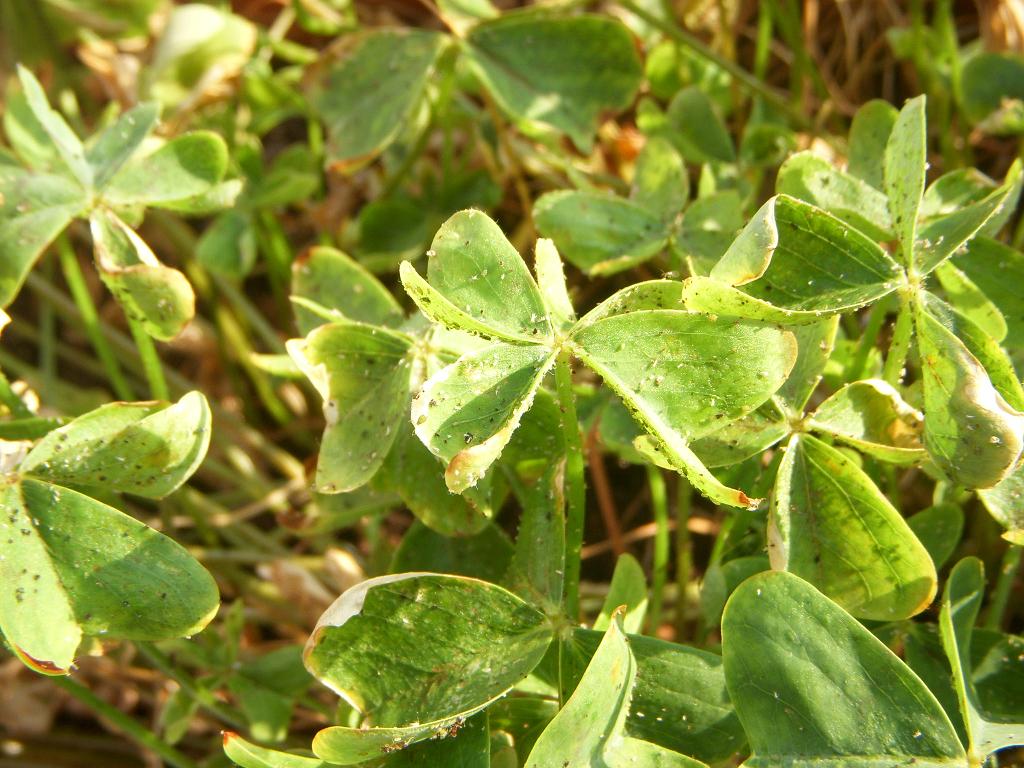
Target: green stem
x=575 y=491
x=687 y=40
x=659 y=507
x=876 y=319
x=127 y=725
x=1008 y=570
x=200 y=695
x=150 y=361
x=684 y=552
x=75 y=279
x=896 y=360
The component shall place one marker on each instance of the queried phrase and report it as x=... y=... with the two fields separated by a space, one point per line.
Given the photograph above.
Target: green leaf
x=815 y=180
x=628 y=590
x=991 y=85
x=869 y=134
x=147 y=449
x=739 y=440
x=118 y=142
x=679 y=700
x=819 y=689
x=906 y=160
x=36 y=615
x=660 y=181
x=940 y=238
x=707 y=229
x=63 y=139
x=185 y=167
x=600 y=233
x=228 y=245
x=800 y=260
x=998 y=271
x=871 y=416
x=648 y=294
x=367 y=87
x=970 y=431
x=961 y=600
x=551 y=281
x=486 y=555
x=418 y=652
x=588 y=729
x=159 y=297
x=1003 y=501
x=993 y=359
x=418 y=477
x=684 y=375
x=362 y=373
x=466 y=413
x=338 y=283
x=696 y=129
x=954 y=190
x=968 y=299
x=479 y=283
x=831 y=525
x=815 y=342
x=28 y=139
x=537 y=572
x=120 y=578
x=558 y=71
x=34 y=209
x=939 y=529
x=249 y=755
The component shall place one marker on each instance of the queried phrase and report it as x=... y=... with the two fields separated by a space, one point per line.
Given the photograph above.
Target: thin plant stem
x=876 y=319
x=75 y=279
x=127 y=725
x=1008 y=570
x=151 y=366
x=684 y=552
x=659 y=574
x=201 y=696
x=575 y=490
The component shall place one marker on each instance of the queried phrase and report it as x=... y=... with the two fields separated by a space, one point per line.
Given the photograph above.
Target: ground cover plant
x=556 y=384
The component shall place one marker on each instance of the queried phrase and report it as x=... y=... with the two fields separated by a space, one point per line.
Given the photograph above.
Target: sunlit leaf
x=831 y=526
x=417 y=653
x=906 y=160
x=871 y=416
x=362 y=373
x=147 y=449
x=467 y=412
